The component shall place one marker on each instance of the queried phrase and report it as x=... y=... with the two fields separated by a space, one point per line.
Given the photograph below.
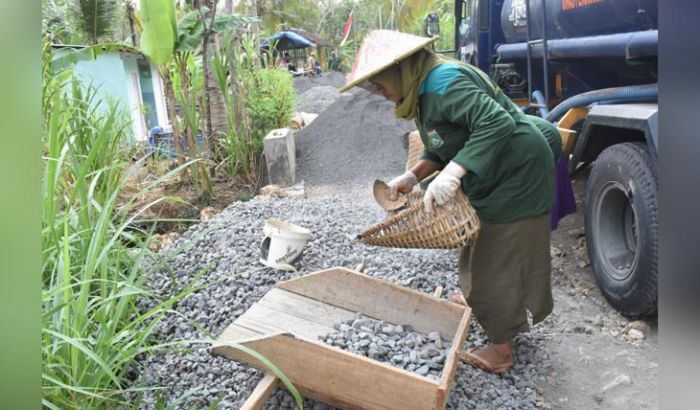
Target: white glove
x=444 y=186
x=403 y=183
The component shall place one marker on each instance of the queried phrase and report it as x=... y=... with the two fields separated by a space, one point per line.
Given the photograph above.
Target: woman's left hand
x=444 y=186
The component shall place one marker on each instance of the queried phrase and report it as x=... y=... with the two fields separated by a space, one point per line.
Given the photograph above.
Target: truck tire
x=622 y=228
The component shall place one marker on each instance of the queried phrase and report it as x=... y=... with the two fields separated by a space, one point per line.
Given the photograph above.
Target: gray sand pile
x=397 y=345
x=356 y=139
x=333 y=79
x=317 y=99
x=226 y=250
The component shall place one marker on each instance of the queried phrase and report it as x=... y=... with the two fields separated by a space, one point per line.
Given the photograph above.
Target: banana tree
x=170 y=44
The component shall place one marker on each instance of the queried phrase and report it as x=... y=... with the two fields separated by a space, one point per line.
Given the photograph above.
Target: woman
x=481 y=143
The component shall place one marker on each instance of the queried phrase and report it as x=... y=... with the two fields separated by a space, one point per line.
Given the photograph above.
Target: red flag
x=346 y=29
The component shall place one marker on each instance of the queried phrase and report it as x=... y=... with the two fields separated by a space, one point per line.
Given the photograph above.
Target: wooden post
x=320 y=50
x=170 y=105
x=266 y=386
x=438 y=291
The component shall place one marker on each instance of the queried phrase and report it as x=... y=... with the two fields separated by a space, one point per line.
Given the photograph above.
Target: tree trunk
x=170 y=103
x=130 y=15
x=205 y=64
x=217 y=104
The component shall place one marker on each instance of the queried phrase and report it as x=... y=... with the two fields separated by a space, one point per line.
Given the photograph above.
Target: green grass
x=93 y=277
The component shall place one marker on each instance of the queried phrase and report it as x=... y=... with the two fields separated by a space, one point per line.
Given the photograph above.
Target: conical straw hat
x=379 y=50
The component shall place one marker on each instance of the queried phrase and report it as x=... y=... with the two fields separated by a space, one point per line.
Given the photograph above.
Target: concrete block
x=281 y=157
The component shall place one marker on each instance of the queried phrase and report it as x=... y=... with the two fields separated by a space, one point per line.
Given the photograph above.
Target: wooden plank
x=568 y=139
x=452 y=360
x=265 y=320
x=235 y=333
x=305 y=308
x=262 y=392
x=340 y=378
x=379 y=299
x=438 y=291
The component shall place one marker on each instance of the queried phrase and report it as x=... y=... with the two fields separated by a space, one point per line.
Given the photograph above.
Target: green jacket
x=465 y=118
x=551 y=134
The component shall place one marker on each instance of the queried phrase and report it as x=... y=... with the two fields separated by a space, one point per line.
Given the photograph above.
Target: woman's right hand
x=403 y=183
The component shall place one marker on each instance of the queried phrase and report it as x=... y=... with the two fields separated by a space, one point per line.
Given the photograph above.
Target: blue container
x=162 y=143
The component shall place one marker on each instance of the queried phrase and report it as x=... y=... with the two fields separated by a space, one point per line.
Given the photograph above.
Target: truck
x=590 y=66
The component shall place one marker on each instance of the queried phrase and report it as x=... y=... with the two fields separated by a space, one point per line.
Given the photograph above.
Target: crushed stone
x=397 y=345
x=316 y=99
x=355 y=140
x=333 y=79
x=225 y=250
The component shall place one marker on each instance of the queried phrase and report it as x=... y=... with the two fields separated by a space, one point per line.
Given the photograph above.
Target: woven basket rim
x=463 y=231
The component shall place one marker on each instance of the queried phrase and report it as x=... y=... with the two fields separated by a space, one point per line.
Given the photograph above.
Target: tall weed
x=257 y=98
x=233 y=144
x=188 y=88
x=91 y=276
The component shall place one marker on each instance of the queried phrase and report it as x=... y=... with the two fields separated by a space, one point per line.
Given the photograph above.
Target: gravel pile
x=317 y=99
x=356 y=139
x=333 y=79
x=225 y=251
x=394 y=344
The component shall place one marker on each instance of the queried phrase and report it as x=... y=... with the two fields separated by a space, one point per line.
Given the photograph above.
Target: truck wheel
x=622 y=228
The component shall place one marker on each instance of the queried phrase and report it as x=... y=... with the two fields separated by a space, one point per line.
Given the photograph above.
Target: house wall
x=161 y=107
x=117 y=77
x=106 y=73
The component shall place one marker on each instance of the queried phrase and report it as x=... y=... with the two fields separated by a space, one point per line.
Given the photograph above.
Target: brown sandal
x=488 y=359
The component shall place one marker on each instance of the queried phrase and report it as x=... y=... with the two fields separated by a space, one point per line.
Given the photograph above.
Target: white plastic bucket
x=283 y=244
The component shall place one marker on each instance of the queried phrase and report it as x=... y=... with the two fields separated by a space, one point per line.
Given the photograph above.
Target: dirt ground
x=598 y=362
x=178 y=204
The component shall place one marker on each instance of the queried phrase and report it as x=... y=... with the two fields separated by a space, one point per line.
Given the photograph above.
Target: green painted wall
x=107 y=73
x=117 y=78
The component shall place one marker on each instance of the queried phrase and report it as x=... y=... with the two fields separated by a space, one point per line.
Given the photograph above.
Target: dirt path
x=596 y=362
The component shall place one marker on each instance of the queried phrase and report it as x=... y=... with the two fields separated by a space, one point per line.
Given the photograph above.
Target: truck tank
x=578 y=18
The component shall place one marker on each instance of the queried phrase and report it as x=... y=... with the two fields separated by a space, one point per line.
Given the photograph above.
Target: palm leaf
x=96 y=17
x=190 y=27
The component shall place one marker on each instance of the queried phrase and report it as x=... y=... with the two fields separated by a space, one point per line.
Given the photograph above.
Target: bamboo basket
x=415 y=149
x=454 y=225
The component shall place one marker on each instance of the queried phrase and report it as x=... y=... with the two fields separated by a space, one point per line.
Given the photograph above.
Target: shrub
x=256 y=100
x=270 y=101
